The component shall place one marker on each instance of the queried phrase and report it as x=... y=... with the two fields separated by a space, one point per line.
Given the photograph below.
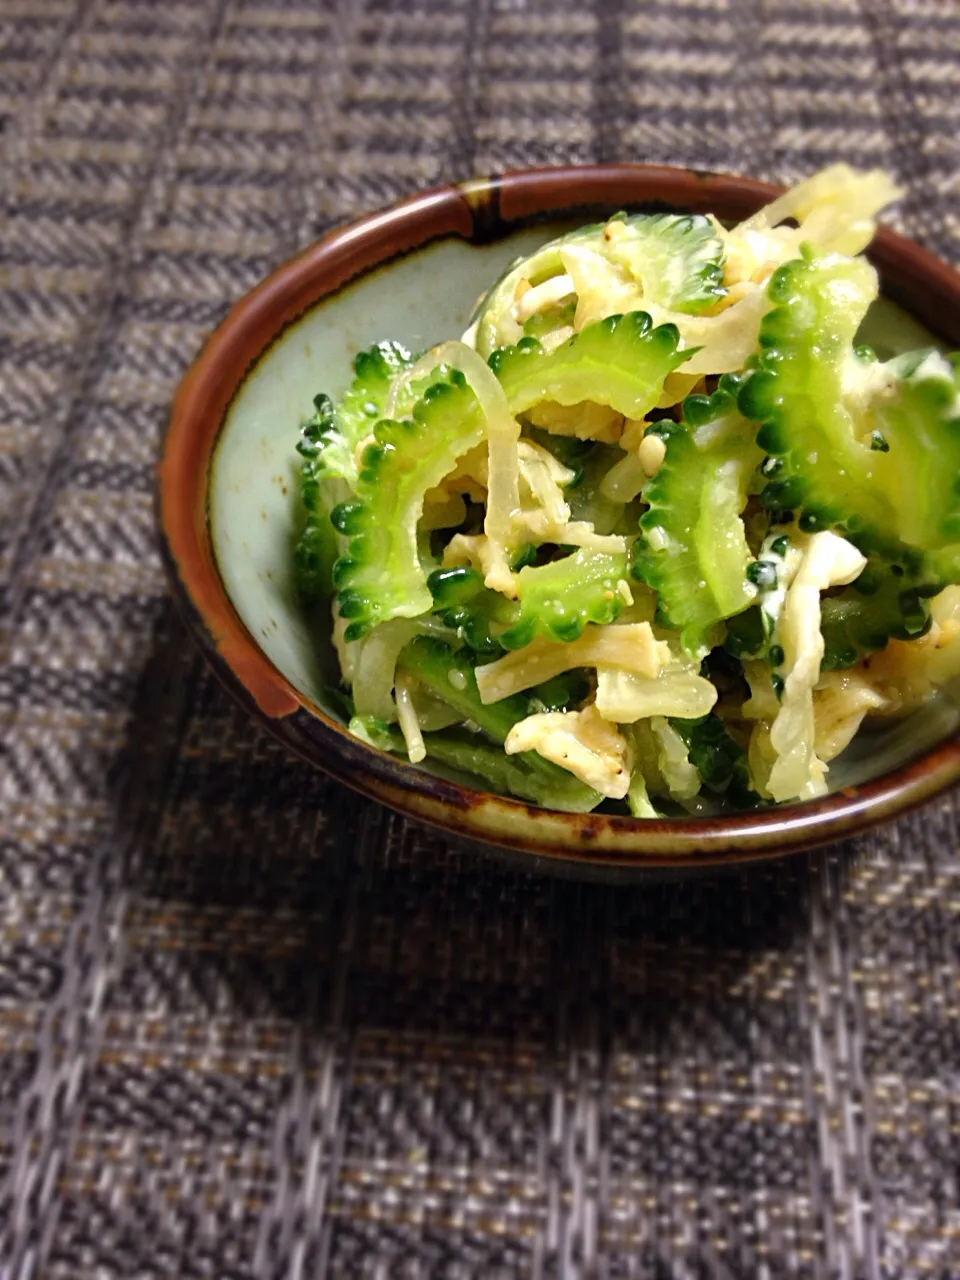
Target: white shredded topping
x=580 y=741
x=828 y=561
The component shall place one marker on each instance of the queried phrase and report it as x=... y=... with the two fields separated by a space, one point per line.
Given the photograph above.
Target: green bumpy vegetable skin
x=469 y=608
x=325 y=455
x=315 y=555
x=919 y=425
x=557 y=600
x=677 y=258
x=694 y=550
x=365 y=399
x=326 y=460
x=718 y=759
x=620 y=362
x=329 y=438
x=327 y=443
x=381 y=576
x=887 y=601
x=815 y=463
x=870 y=450
x=449 y=675
x=554 y=601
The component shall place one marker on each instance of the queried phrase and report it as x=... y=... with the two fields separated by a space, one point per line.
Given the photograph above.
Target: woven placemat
x=251 y=1025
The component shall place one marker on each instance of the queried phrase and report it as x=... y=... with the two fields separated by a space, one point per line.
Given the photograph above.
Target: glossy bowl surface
x=227 y=502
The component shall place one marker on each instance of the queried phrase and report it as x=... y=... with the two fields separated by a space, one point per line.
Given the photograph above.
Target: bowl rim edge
x=474 y=209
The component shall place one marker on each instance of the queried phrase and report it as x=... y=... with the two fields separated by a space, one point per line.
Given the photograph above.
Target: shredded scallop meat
x=580 y=741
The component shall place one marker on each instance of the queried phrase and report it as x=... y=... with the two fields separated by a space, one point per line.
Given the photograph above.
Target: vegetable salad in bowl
x=658 y=532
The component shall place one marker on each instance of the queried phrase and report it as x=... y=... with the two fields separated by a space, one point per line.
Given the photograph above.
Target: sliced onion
x=409 y=724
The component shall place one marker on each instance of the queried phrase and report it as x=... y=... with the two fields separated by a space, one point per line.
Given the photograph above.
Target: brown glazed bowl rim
x=481 y=210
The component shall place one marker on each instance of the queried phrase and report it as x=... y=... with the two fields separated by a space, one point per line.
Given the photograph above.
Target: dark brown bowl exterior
x=481 y=210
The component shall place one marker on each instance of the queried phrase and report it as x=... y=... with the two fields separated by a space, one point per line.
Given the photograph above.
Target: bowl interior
x=418 y=299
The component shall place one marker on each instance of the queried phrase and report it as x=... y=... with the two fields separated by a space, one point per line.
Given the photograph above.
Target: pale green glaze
x=419 y=300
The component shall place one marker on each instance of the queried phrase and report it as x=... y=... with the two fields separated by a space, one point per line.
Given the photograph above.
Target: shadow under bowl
x=228 y=504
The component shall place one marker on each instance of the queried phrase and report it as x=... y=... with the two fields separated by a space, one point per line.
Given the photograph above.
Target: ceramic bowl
x=229 y=508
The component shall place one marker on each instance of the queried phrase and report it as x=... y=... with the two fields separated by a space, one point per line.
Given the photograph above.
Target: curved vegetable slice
x=452 y=678
x=527 y=776
x=694 y=550
x=905 y=674
x=375 y=667
x=711 y=344
x=886 y=602
x=660 y=756
x=469 y=608
x=502 y=436
x=840 y=702
x=719 y=760
x=327 y=444
x=326 y=450
x=620 y=362
x=496 y=323
x=330 y=436
x=818 y=460
x=327 y=459
x=676 y=258
x=365 y=400
x=318 y=546
x=554 y=601
x=381 y=577
x=676 y=769
x=916 y=424
x=673 y=260
x=601 y=288
x=557 y=600
x=638 y=795
x=870 y=449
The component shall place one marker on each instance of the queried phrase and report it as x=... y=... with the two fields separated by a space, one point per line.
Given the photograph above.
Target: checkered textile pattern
x=252 y=1025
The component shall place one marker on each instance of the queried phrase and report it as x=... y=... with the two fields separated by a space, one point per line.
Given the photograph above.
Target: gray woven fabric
x=251 y=1025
